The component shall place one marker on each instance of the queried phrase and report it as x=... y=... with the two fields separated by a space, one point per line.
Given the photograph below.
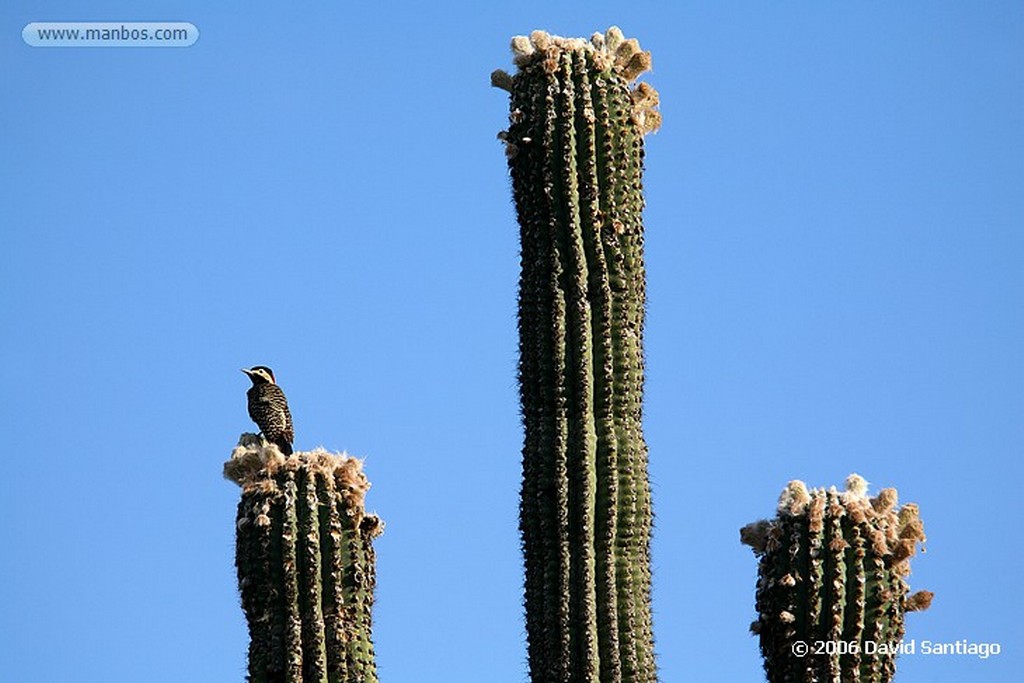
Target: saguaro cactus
x=305 y=564
x=575 y=150
x=831 y=592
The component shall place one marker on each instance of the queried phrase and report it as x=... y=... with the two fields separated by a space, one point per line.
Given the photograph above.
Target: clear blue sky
x=836 y=280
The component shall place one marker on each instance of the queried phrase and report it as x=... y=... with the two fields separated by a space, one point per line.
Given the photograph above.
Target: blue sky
x=835 y=251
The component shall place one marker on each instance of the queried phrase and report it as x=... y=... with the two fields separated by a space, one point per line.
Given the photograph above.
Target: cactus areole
x=575 y=151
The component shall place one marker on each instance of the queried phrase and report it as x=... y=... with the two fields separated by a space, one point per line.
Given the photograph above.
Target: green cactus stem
x=306 y=567
x=575 y=151
x=831 y=590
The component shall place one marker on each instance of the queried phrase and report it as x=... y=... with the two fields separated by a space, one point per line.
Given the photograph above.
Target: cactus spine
x=305 y=562
x=575 y=151
x=831 y=576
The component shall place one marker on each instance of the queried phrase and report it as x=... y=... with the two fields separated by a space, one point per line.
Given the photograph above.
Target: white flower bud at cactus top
x=522 y=48
x=540 y=39
x=857 y=485
x=794 y=498
x=613 y=38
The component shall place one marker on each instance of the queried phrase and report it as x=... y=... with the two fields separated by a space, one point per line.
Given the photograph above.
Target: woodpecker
x=268 y=408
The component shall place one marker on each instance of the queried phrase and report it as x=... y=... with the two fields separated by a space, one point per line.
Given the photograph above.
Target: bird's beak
x=247 y=371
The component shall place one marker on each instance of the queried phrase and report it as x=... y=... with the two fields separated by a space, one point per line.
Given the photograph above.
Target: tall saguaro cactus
x=305 y=564
x=831 y=593
x=575 y=150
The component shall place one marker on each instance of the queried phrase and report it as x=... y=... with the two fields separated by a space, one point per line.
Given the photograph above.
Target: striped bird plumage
x=268 y=408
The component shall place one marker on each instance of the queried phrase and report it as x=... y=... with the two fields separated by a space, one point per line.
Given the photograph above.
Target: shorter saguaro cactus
x=831 y=592
x=305 y=563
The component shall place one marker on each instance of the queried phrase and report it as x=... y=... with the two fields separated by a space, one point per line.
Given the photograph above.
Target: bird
x=268 y=408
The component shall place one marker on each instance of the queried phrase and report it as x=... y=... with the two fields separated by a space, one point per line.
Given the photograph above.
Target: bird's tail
x=285 y=447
